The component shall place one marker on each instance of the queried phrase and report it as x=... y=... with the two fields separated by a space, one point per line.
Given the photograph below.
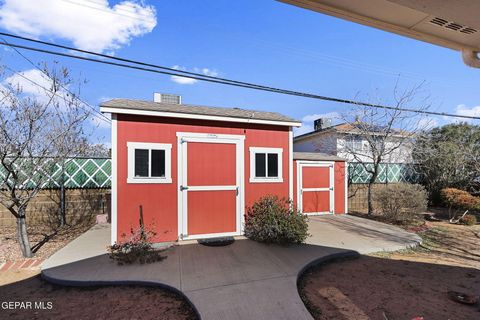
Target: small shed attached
x=320 y=183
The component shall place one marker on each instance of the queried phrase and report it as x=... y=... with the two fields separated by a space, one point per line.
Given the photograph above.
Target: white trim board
x=331 y=189
x=167 y=147
x=253 y=151
x=183 y=138
x=290 y=164
x=197 y=116
x=113 y=205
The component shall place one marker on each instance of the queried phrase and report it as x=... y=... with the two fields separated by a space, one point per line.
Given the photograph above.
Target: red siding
x=339 y=185
x=159 y=201
x=211 y=212
x=316 y=177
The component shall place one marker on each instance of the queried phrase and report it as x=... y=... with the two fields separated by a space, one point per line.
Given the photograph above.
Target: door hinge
x=331 y=188
x=236 y=191
x=183 y=188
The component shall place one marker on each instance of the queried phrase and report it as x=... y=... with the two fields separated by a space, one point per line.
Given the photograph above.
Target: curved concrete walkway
x=246 y=280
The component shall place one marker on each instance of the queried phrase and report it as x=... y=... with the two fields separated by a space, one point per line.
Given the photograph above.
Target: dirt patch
x=371 y=287
x=403 y=284
x=10 y=249
x=106 y=302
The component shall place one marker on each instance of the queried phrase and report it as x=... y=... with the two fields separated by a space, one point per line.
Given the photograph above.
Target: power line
x=136 y=17
x=201 y=77
x=104 y=118
x=132 y=61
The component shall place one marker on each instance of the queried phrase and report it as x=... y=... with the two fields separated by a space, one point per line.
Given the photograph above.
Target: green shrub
x=402 y=201
x=273 y=220
x=459 y=199
x=469 y=220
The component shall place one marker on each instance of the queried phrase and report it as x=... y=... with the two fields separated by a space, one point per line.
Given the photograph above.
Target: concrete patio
x=245 y=280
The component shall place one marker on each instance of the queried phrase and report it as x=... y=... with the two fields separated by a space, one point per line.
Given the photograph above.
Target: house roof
x=350 y=128
x=141 y=107
x=318 y=156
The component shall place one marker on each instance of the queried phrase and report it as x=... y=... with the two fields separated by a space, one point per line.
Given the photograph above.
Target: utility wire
x=104 y=118
x=136 y=17
x=201 y=77
x=131 y=61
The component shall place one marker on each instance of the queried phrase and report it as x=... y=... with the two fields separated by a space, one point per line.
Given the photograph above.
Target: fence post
x=63 y=216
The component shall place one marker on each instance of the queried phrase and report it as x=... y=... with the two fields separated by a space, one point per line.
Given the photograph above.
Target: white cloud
x=207 y=72
x=183 y=80
x=305 y=128
x=32 y=82
x=90 y=25
x=313 y=117
x=307 y=121
x=463 y=110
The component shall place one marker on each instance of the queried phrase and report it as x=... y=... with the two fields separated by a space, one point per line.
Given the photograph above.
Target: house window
x=354 y=144
x=266 y=164
x=149 y=162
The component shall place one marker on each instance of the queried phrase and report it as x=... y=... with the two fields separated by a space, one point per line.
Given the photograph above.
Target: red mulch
x=106 y=302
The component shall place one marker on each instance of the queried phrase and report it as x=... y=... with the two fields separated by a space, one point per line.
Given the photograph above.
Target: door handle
x=183 y=188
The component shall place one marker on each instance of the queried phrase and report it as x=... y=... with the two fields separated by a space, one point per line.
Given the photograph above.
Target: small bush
x=469 y=220
x=136 y=247
x=459 y=199
x=272 y=220
x=401 y=202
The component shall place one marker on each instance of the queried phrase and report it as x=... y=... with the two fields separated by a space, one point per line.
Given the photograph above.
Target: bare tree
x=36 y=131
x=377 y=135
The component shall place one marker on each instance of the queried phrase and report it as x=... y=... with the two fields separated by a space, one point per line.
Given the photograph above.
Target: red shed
x=195 y=169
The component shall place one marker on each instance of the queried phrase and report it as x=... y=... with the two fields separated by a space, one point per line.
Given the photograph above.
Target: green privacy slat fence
x=388 y=173
x=87 y=173
x=83 y=173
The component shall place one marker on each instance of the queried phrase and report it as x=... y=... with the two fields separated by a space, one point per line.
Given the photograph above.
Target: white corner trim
x=113 y=205
x=196 y=116
x=290 y=164
x=346 y=186
x=255 y=150
x=167 y=147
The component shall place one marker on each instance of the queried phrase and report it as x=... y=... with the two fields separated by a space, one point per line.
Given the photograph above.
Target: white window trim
x=131 y=146
x=253 y=152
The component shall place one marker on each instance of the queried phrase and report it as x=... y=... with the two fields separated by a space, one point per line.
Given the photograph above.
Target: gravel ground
x=10 y=250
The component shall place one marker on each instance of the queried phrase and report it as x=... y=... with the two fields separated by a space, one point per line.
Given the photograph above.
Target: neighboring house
x=347 y=141
x=196 y=169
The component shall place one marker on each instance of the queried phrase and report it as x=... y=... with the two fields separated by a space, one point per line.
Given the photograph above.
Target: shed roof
x=201 y=112
x=316 y=156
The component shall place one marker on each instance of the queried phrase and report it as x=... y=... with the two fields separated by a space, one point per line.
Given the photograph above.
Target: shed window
x=149 y=162
x=265 y=164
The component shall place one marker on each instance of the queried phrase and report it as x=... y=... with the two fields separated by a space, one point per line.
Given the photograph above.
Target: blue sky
x=261 y=41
